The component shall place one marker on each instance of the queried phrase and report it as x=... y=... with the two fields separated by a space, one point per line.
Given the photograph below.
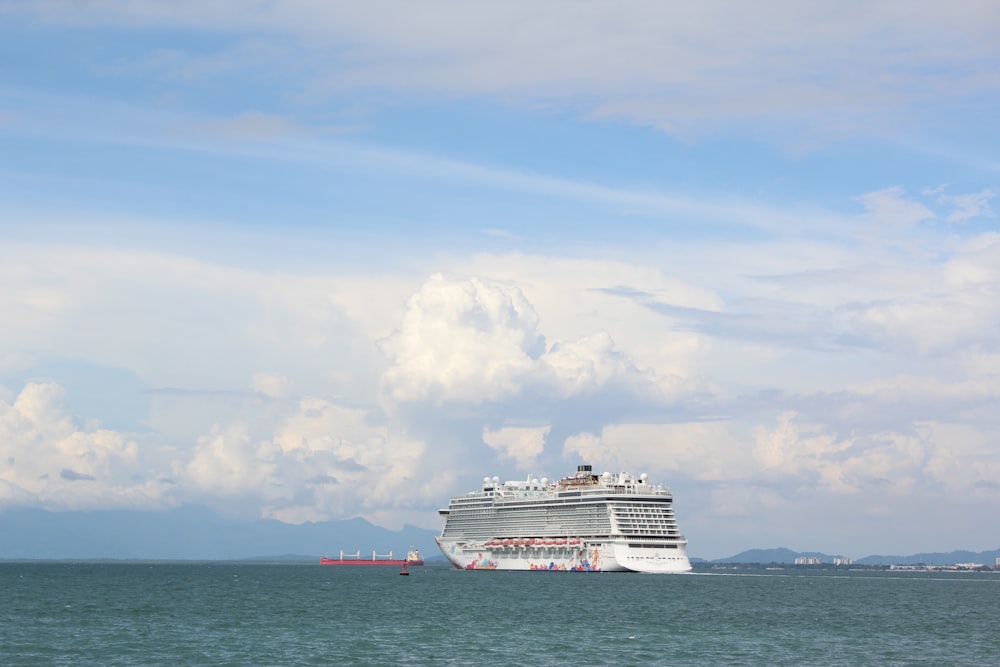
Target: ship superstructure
x=583 y=522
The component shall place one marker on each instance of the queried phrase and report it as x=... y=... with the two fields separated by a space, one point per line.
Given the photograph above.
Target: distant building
x=840 y=560
x=807 y=560
x=998 y=562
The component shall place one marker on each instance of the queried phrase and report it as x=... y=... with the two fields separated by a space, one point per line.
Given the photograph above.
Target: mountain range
x=192 y=533
x=196 y=533
x=785 y=556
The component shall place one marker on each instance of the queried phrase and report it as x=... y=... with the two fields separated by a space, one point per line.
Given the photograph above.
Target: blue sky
x=312 y=260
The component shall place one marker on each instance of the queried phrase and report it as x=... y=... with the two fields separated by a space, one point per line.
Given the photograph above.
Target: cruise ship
x=585 y=522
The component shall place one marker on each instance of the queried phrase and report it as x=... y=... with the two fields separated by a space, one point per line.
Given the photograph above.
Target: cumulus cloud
x=229 y=461
x=521 y=443
x=307 y=464
x=797 y=459
x=579 y=366
x=44 y=456
x=814 y=457
x=876 y=463
x=474 y=340
x=466 y=340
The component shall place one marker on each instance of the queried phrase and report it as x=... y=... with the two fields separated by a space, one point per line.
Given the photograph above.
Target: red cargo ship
x=412 y=558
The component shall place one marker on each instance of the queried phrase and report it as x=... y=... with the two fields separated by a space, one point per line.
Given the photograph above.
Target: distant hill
x=785 y=556
x=193 y=533
x=779 y=555
x=950 y=558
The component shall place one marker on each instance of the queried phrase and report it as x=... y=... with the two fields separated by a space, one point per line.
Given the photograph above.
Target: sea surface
x=235 y=613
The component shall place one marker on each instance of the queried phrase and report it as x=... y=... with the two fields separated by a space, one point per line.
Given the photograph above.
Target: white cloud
x=836 y=68
x=708 y=450
x=462 y=340
x=586 y=446
x=582 y=364
x=230 y=461
x=167 y=317
x=521 y=443
x=45 y=459
x=890 y=207
x=274 y=385
x=794 y=467
x=969 y=206
x=475 y=340
x=965 y=459
x=820 y=459
x=585 y=298
x=306 y=464
x=946 y=307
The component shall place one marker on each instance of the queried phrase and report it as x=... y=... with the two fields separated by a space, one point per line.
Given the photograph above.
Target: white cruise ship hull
x=580 y=557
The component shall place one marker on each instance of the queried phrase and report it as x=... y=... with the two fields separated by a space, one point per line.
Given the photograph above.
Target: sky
x=307 y=260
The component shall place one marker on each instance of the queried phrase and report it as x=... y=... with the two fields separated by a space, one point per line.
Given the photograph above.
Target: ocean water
x=226 y=613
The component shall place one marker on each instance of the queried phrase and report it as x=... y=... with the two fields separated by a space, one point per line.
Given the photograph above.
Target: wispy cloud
x=278 y=138
x=968 y=206
x=854 y=67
